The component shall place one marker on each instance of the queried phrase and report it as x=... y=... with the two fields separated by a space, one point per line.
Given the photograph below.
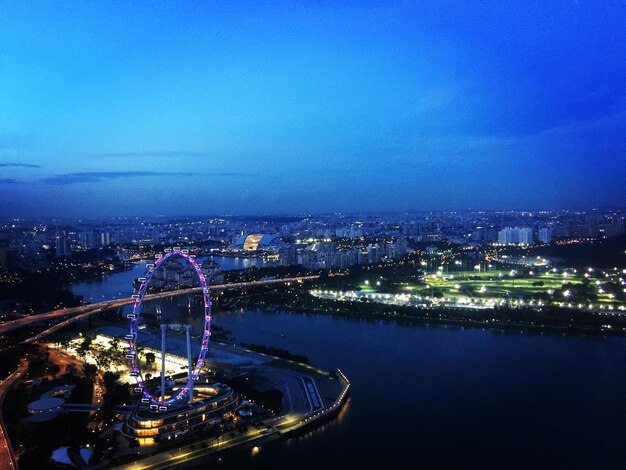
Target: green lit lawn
x=457 y=284
x=366 y=288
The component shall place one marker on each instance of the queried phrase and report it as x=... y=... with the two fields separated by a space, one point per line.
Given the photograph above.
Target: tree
x=114 y=396
x=90 y=371
x=109 y=379
x=86 y=344
x=84 y=348
x=103 y=361
x=150 y=358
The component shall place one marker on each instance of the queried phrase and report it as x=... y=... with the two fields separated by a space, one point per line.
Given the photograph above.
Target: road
x=7 y=457
x=84 y=311
x=64 y=360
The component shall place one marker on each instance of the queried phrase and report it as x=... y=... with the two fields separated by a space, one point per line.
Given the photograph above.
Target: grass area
x=366 y=288
x=495 y=284
x=503 y=283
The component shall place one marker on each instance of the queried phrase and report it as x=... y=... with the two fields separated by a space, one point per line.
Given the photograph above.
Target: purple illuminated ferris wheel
x=185 y=392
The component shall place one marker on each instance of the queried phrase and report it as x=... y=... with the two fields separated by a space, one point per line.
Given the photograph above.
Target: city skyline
x=280 y=109
x=309 y=235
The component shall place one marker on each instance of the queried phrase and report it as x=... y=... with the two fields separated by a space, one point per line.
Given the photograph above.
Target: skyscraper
x=517 y=235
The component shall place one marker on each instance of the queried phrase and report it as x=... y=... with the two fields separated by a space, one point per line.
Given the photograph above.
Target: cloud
x=99 y=176
x=152 y=153
x=20 y=165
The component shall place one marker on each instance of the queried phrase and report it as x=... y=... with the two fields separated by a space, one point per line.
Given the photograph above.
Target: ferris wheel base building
x=213 y=402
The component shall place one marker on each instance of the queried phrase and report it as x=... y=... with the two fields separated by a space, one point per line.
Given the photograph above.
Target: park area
x=602 y=288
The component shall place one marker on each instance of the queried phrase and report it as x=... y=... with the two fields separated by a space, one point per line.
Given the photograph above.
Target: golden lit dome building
x=258 y=242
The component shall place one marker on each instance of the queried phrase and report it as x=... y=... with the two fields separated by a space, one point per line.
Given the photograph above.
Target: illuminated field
x=602 y=287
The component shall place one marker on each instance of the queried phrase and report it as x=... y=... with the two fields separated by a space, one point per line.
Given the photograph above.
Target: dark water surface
x=436 y=397
x=120 y=284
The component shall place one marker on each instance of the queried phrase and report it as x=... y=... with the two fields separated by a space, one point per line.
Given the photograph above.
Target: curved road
x=7 y=457
x=85 y=310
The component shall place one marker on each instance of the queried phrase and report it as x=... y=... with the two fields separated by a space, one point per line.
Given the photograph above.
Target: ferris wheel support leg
x=189 y=364
x=162 y=363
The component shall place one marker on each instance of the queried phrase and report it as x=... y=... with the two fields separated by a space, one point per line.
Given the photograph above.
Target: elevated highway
x=84 y=311
x=7 y=456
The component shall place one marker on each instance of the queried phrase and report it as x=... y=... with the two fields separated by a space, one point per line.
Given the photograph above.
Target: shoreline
x=188 y=454
x=403 y=319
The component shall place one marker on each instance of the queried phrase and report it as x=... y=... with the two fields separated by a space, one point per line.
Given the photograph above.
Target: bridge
x=84 y=311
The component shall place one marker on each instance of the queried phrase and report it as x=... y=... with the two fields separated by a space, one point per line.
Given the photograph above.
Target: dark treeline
x=545 y=318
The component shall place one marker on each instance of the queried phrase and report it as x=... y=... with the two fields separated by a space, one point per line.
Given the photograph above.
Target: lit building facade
x=213 y=403
x=514 y=236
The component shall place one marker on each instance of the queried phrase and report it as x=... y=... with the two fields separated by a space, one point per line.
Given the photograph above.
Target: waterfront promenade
x=273 y=428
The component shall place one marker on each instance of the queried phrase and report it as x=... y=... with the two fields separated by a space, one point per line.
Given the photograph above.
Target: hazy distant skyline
x=112 y=108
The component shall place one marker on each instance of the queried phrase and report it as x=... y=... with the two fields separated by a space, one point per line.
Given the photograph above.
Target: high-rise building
x=373 y=253
x=105 y=238
x=505 y=236
x=63 y=246
x=517 y=235
x=86 y=238
x=396 y=249
x=525 y=236
x=545 y=234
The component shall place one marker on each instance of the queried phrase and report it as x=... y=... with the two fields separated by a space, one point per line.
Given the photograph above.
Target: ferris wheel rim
x=134 y=322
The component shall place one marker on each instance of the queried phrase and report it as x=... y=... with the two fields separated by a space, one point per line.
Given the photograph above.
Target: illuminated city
x=312 y=235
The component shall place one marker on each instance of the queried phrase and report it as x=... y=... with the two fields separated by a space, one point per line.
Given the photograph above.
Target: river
x=437 y=397
x=119 y=284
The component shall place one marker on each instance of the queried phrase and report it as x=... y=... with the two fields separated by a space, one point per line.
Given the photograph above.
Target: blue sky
x=128 y=108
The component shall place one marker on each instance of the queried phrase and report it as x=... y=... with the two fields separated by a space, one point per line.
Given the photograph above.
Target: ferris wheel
x=185 y=392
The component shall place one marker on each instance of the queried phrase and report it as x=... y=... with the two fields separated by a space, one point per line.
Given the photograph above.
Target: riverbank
x=551 y=320
x=547 y=399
